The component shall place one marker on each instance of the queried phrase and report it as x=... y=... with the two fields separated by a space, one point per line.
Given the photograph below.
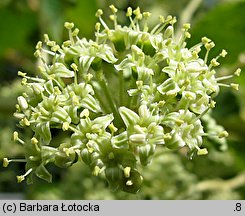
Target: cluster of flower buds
x=116 y=98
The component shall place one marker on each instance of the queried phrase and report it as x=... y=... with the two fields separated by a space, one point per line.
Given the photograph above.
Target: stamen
x=211 y=105
x=237 y=72
x=162 y=20
x=224 y=77
x=223 y=134
x=112 y=128
x=22 y=177
x=214 y=63
x=6 y=161
x=146 y=15
x=16 y=138
x=203 y=151
x=70 y=26
x=234 y=86
x=114 y=16
x=129 y=15
x=34 y=141
x=223 y=53
x=98 y=14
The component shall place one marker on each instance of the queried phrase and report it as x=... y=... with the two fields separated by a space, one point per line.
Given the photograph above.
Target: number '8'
x=238 y=206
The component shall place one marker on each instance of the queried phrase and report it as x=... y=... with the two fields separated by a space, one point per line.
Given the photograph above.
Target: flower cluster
x=115 y=98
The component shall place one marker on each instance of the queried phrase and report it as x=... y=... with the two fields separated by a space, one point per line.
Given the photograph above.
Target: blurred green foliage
x=220 y=175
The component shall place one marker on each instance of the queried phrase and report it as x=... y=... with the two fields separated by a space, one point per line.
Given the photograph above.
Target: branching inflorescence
x=116 y=98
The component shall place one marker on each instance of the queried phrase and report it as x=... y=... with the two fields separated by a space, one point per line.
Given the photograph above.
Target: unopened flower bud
x=137 y=138
x=169 y=31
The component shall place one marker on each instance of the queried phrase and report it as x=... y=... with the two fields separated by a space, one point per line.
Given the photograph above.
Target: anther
x=69 y=25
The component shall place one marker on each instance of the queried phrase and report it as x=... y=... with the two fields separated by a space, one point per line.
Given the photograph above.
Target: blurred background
x=219 y=175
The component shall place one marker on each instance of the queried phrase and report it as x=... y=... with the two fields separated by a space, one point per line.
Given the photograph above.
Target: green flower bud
x=22 y=102
x=145 y=153
x=96 y=64
x=129 y=117
x=137 y=138
x=174 y=141
x=37 y=88
x=120 y=141
x=168 y=32
x=133 y=183
x=114 y=176
x=63 y=160
x=86 y=156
